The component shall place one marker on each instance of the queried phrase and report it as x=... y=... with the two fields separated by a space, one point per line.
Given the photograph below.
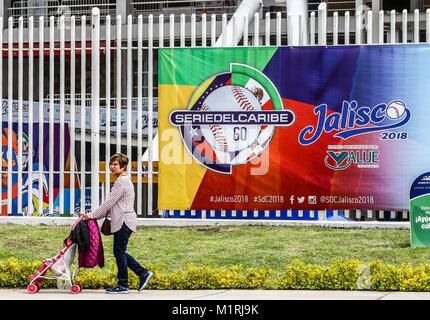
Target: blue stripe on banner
x=251 y=214
x=243 y=214
x=339 y=217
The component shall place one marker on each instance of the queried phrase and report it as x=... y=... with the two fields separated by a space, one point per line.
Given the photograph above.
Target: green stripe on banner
x=241 y=75
x=191 y=66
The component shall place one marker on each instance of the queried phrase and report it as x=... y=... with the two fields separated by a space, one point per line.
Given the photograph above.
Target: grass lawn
x=249 y=246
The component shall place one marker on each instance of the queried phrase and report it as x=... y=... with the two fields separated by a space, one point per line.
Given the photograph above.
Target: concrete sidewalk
x=56 y=294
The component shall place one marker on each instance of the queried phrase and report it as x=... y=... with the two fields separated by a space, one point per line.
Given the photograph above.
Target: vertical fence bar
x=335 y=28
x=139 y=112
x=118 y=82
x=204 y=31
x=416 y=26
x=182 y=26
x=245 y=30
x=312 y=29
x=404 y=26
x=20 y=107
x=347 y=27
x=31 y=208
x=267 y=29
x=108 y=103
x=256 y=29
x=223 y=29
x=193 y=30
x=172 y=30
x=83 y=111
x=129 y=84
x=428 y=25
x=161 y=30
x=51 y=113
x=303 y=36
x=358 y=27
x=381 y=27
x=72 y=111
x=213 y=30
x=322 y=24
x=62 y=80
x=41 y=146
x=302 y=30
x=393 y=26
x=289 y=30
x=150 y=112
x=234 y=28
x=95 y=107
x=278 y=29
x=9 y=115
x=369 y=27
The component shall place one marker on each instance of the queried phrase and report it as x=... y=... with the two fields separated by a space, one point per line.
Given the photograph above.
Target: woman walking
x=120 y=203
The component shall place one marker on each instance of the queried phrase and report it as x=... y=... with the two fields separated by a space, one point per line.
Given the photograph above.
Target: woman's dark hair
x=121 y=158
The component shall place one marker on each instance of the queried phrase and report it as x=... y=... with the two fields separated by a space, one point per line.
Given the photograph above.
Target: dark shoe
x=144 y=280
x=117 y=289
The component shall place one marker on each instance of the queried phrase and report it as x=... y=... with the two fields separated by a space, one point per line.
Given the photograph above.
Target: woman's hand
x=86 y=217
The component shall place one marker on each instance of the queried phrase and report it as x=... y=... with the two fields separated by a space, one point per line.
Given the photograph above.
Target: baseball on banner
x=231 y=138
x=395 y=109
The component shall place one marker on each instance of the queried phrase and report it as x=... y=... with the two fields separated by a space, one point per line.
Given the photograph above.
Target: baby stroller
x=61 y=267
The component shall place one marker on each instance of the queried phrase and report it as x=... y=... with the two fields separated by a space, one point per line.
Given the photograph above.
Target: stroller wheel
x=38 y=287
x=76 y=288
x=32 y=288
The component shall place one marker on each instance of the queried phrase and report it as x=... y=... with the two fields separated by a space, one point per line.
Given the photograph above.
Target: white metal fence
x=58 y=8
x=184 y=7
x=45 y=64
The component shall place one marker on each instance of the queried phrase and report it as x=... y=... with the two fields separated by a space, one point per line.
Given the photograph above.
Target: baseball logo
x=230 y=138
x=395 y=109
x=231 y=118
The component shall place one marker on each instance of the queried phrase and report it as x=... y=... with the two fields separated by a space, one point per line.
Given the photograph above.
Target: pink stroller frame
x=61 y=267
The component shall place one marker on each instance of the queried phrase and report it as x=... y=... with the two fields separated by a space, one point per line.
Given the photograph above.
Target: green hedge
x=341 y=275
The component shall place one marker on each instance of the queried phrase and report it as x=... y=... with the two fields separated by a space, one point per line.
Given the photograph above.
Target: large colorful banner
x=292 y=127
x=30 y=204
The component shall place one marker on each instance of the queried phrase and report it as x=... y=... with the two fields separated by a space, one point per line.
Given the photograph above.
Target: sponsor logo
x=354 y=120
x=366 y=157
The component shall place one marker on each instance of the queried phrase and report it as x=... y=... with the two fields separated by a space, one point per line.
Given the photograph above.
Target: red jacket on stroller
x=90 y=246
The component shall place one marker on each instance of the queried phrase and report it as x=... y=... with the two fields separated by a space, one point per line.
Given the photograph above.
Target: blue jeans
x=123 y=259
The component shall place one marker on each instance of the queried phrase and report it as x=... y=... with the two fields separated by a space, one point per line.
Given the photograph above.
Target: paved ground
x=56 y=294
